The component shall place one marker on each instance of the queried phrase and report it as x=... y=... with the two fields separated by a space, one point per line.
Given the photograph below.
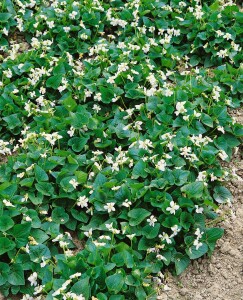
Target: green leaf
x=193 y=253
x=6 y=223
x=207 y=120
x=140 y=293
x=137 y=215
x=134 y=94
x=68 y=102
x=139 y=170
x=39 y=235
x=21 y=233
x=28 y=182
x=6 y=245
x=54 y=81
x=194 y=60
x=123 y=258
x=45 y=188
x=106 y=94
x=144 y=244
x=180 y=176
x=170 y=221
x=186 y=220
x=79 y=119
x=213 y=234
x=79 y=215
x=13 y=121
x=208 y=156
x=222 y=194
x=17 y=275
x=40 y=174
x=4 y=270
x=64 y=183
x=59 y=215
x=181 y=263
x=4 y=17
x=115 y=282
x=59 y=69
x=82 y=287
x=81 y=176
x=194 y=189
x=100 y=179
x=39 y=251
x=77 y=143
x=151 y=232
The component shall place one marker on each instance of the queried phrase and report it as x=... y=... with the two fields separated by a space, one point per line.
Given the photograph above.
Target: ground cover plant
x=114 y=121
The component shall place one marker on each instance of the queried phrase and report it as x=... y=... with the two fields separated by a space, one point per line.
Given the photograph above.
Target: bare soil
x=221 y=276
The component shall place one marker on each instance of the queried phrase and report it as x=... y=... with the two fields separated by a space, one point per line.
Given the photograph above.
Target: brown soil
x=221 y=276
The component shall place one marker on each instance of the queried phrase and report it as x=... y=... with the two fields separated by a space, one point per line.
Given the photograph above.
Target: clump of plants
x=114 y=121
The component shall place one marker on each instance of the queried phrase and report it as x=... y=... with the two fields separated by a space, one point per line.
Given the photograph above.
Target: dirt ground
x=221 y=276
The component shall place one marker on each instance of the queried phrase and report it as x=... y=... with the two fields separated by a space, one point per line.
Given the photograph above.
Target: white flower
x=197 y=244
x=38 y=289
x=83 y=201
x=33 y=279
x=173 y=207
x=8 y=203
x=221 y=128
x=152 y=220
x=115 y=188
x=185 y=151
x=110 y=207
x=227 y=36
x=50 y=24
x=27 y=218
x=175 y=230
x=8 y=73
x=161 y=165
x=161 y=257
x=109 y=226
x=21 y=175
x=72 y=15
x=98 y=244
x=222 y=53
x=126 y=203
x=180 y=109
x=76 y=275
x=73 y=182
x=96 y=108
x=89 y=233
x=165 y=237
x=131 y=236
x=223 y=155
x=105 y=237
x=66 y=29
x=71 y=131
x=58 y=238
x=5 y=31
x=63 y=244
x=145 y=144
x=44 y=262
x=198 y=233
x=199 y=210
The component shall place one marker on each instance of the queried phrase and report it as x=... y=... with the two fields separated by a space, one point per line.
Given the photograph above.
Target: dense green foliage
x=114 y=117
